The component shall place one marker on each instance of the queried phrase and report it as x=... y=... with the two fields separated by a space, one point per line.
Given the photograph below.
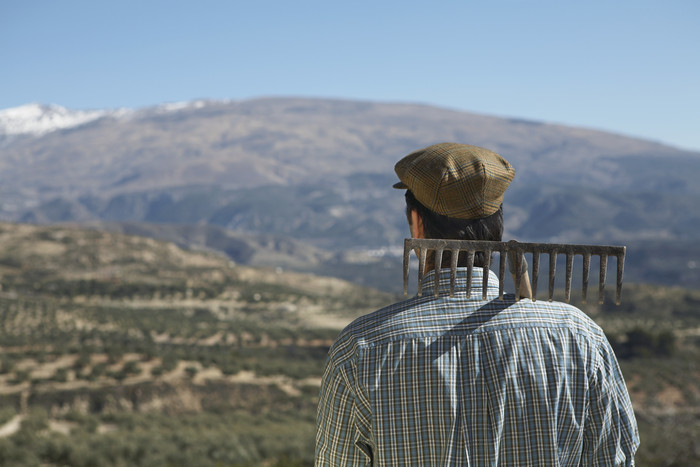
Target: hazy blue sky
x=630 y=67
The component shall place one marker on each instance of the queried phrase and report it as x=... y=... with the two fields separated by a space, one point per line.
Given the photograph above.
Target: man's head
x=455 y=191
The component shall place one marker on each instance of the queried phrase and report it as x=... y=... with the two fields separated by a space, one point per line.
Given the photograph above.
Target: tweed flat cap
x=456 y=180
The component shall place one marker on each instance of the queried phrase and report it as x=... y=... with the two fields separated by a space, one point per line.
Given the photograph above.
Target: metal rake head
x=515 y=252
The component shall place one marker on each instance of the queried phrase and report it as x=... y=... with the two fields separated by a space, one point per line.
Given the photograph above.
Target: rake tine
x=485 y=279
x=535 y=273
x=470 y=271
x=501 y=273
x=620 y=269
x=406 y=255
x=438 y=263
x=569 y=268
x=421 y=266
x=453 y=271
x=586 y=273
x=552 y=270
x=601 y=284
x=518 y=273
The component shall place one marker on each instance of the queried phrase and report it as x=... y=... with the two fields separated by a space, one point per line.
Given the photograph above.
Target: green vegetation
x=174 y=417
x=204 y=439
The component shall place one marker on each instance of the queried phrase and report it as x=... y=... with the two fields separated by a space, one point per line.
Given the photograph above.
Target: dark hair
x=438 y=226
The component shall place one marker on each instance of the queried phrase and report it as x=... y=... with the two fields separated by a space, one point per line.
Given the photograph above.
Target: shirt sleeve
x=611 y=434
x=339 y=437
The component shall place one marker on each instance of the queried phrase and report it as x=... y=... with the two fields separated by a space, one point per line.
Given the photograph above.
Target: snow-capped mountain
x=39 y=119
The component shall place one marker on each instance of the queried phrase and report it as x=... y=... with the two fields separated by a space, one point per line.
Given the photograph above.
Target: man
x=459 y=380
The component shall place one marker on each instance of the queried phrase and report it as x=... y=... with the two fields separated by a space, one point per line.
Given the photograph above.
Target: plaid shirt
x=462 y=381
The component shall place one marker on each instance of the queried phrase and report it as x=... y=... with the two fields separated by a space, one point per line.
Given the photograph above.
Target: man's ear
x=416 y=225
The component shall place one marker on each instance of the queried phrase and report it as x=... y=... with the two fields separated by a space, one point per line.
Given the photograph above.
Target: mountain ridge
x=320 y=171
x=21 y=119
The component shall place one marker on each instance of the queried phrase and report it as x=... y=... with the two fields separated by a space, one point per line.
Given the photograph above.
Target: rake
x=515 y=252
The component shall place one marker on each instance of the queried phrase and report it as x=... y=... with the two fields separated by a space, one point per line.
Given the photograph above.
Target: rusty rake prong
x=501 y=273
x=470 y=271
x=535 y=273
x=620 y=270
x=518 y=266
x=485 y=278
x=421 y=269
x=406 y=264
x=601 y=282
x=586 y=273
x=453 y=271
x=438 y=260
x=569 y=269
x=552 y=271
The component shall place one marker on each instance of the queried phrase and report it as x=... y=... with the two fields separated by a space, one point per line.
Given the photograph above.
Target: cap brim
x=400 y=186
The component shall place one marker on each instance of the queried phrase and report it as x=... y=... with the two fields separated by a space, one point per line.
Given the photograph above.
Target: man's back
x=464 y=381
